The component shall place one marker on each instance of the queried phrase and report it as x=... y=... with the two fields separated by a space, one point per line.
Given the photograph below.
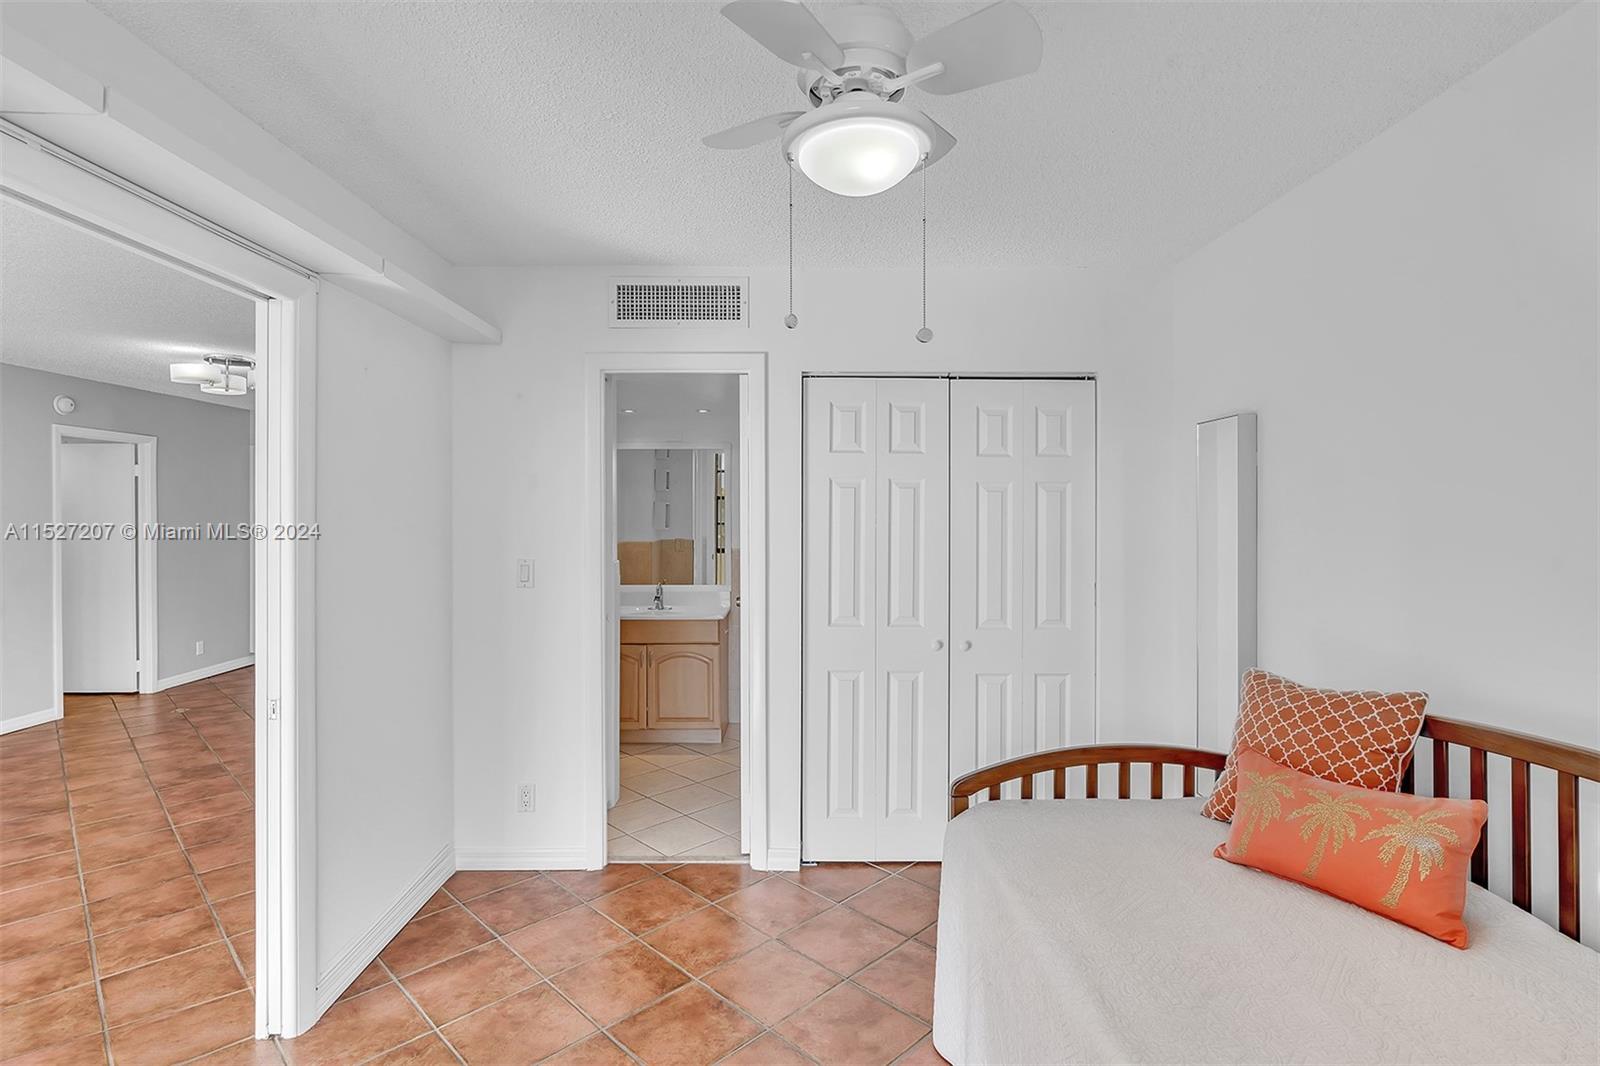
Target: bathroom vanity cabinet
x=674 y=678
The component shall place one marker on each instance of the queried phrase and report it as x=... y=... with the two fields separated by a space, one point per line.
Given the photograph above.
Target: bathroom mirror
x=672 y=516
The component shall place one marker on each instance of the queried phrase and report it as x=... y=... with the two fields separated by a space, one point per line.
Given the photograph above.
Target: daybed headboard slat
x=1521 y=856
x=1479 y=760
x=1567 y=848
x=1441 y=769
x=1570 y=762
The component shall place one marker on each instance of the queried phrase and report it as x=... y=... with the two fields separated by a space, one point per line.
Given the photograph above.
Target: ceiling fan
x=859 y=139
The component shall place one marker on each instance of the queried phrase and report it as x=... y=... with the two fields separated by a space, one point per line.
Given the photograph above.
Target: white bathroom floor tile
x=627 y=849
x=724 y=817
x=727 y=783
x=691 y=798
x=679 y=835
x=667 y=758
x=657 y=781
x=639 y=814
x=701 y=768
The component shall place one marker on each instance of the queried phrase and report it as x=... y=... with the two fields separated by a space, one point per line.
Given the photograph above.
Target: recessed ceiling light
x=627 y=410
x=705 y=410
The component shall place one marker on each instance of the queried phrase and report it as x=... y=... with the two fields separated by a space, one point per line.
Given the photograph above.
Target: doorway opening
x=209 y=753
x=679 y=540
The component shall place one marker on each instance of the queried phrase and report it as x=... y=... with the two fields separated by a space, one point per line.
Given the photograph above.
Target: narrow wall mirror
x=1225 y=571
x=672 y=516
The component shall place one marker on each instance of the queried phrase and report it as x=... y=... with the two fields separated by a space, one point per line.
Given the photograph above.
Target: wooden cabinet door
x=683 y=690
x=631 y=686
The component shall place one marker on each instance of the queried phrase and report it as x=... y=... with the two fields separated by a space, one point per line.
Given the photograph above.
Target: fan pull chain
x=924 y=334
x=790 y=320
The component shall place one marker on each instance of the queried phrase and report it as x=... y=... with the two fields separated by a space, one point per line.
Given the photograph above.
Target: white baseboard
x=521 y=859
x=782 y=859
x=11 y=725
x=332 y=982
x=163 y=683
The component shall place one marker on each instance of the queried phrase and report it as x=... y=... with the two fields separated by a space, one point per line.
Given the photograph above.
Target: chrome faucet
x=661 y=604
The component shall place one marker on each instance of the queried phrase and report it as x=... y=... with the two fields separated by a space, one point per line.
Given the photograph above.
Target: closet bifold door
x=876 y=763
x=1022 y=571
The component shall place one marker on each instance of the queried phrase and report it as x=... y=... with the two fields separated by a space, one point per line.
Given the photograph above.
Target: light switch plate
x=524 y=573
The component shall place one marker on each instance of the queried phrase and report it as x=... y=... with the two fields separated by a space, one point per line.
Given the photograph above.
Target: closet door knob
x=938 y=645
x=966 y=645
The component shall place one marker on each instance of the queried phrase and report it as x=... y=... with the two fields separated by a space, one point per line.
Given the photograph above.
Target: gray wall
x=202 y=475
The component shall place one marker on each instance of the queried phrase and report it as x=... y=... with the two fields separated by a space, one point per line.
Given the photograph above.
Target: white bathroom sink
x=683 y=602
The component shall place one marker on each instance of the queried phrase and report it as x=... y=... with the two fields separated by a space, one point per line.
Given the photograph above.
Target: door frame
x=144 y=447
x=53 y=181
x=598 y=615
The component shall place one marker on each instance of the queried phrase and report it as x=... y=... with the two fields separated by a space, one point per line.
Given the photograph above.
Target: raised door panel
x=989 y=434
x=1057 y=590
x=912 y=669
x=631 y=687
x=683 y=690
x=841 y=790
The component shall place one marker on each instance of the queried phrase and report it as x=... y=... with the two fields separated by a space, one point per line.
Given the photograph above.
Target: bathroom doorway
x=677 y=671
x=679 y=778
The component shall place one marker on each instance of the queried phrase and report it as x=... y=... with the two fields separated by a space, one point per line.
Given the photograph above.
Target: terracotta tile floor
x=127 y=878
x=127 y=907
x=693 y=963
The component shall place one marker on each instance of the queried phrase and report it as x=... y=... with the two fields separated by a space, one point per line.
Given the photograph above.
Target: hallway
x=127 y=890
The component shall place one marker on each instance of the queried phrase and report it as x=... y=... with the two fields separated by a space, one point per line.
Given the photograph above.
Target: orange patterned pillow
x=1404 y=857
x=1355 y=738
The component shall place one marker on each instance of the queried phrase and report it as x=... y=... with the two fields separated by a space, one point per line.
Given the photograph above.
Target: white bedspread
x=1104 y=931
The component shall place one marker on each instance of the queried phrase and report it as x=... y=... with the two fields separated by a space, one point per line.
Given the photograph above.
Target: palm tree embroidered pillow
x=1356 y=738
x=1404 y=857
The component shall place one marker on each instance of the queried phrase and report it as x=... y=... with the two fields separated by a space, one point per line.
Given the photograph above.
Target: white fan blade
x=943 y=141
x=998 y=43
x=749 y=134
x=786 y=29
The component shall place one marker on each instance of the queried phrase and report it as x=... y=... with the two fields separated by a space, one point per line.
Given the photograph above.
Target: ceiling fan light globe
x=859 y=155
x=234 y=383
x=194 y=373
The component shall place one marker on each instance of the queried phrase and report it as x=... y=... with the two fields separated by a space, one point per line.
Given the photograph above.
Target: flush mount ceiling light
x=218 y=375
x=859 y=139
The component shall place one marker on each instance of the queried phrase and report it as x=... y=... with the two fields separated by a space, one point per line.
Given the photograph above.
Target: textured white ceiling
x=72 y=303
x=570 y=132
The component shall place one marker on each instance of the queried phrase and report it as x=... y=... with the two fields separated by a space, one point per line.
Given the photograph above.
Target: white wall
x=383 y=564
x=202 y=475
x=519 y=426
x=1417 y=328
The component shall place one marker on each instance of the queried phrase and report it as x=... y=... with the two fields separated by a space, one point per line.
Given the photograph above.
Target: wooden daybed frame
x=1570 y=762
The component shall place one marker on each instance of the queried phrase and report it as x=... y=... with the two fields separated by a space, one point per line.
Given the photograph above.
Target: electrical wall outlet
x=524 y=799
x=199 y=647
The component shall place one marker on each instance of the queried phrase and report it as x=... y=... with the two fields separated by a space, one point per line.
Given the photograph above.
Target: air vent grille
x=637 y=302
